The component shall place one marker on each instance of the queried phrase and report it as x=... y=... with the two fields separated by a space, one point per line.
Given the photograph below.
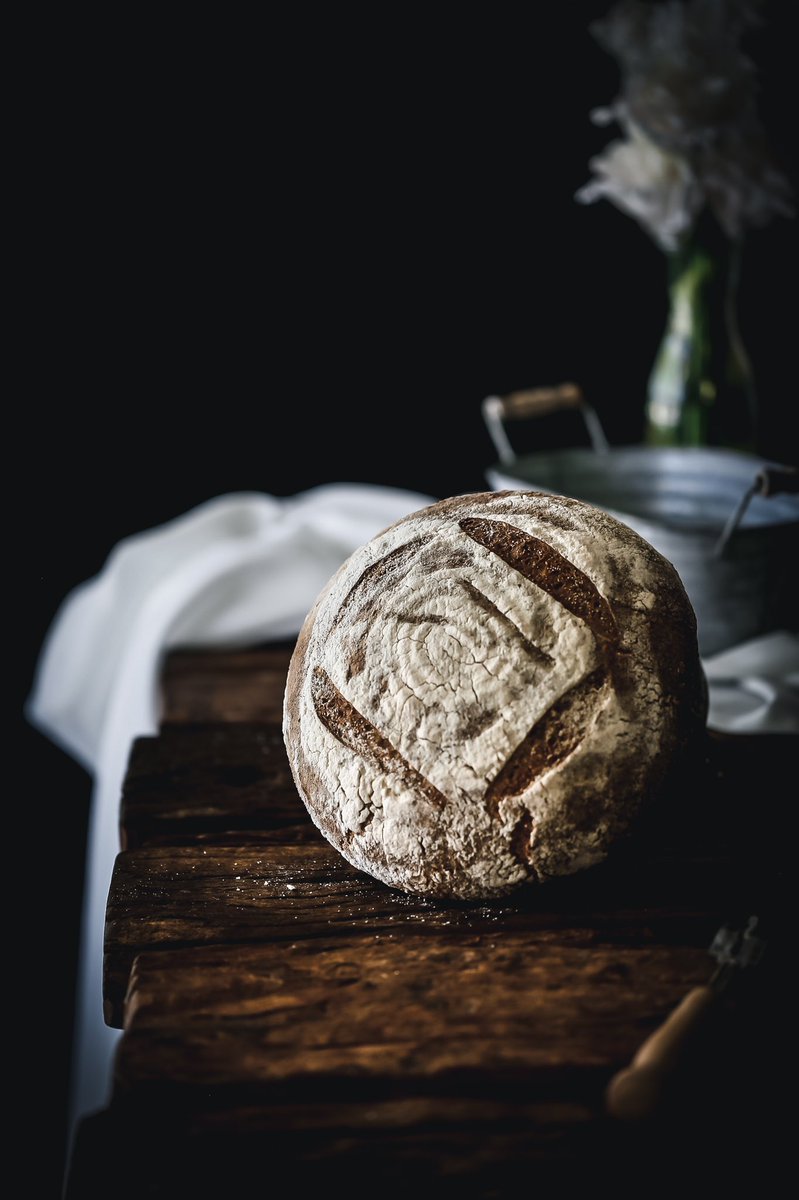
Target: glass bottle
x=701 y=390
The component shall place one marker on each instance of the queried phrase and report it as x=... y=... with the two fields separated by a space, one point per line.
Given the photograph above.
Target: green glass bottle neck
x=701 y=390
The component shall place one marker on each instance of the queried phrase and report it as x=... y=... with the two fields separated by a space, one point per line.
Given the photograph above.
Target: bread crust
x=488 y=692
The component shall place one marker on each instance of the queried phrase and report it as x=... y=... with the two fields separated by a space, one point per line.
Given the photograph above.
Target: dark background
x=266 y=261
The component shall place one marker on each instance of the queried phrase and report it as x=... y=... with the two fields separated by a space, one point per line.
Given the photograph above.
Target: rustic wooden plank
x=286 y=1012
x=526 y=1012
x=208 y=686
x=207 y=780
x=173 y=896
x=728 y=1134
x=434 y=1063
x=218 y=782
x=442 y=1146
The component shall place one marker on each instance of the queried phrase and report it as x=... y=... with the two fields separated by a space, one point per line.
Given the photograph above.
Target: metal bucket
x=713 y=513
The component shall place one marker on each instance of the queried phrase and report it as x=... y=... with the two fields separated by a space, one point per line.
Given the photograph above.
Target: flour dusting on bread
x=488 y=692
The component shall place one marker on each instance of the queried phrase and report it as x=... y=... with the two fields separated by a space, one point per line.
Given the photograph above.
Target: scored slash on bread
x=488 y=692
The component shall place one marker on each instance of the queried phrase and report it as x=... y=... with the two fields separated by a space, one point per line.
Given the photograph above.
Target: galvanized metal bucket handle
x=538 y=402
x=769 y=481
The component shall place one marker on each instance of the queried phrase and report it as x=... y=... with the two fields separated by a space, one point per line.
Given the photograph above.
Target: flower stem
x=701 y=391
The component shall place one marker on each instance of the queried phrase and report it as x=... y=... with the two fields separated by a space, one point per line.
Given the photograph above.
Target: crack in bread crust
x=358 y=734
x=555 y=734
x=543 y=565
x=364 y=595
x=511 y=628
x=551 y=739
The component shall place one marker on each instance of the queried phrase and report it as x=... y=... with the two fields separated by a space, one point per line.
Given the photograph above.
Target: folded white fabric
x=754 y=687
x=239 y=570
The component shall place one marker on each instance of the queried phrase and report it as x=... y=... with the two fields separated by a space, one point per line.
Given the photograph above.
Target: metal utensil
x=637 y=1092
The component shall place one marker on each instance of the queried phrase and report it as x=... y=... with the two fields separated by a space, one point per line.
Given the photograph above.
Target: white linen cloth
x=754 y=687
x=238 y=570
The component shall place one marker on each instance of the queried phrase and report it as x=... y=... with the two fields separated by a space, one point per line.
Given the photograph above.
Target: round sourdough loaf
x=487 y=692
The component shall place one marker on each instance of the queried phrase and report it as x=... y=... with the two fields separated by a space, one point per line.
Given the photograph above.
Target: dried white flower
x=657 y=188
x=688 y=109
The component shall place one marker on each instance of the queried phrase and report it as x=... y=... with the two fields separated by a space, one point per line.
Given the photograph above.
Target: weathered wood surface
x=498 y=1014
x=167 y=897
x=279 y=1006
x=195 y=780
x=201 y=687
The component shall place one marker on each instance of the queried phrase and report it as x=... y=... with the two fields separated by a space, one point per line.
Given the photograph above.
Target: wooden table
x=290 y=1022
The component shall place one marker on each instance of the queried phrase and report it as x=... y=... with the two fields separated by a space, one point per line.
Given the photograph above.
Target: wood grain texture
x=496 y=1013
x=168 y=897
x=289 y=1018
x=207 y=686
x=197 y=780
